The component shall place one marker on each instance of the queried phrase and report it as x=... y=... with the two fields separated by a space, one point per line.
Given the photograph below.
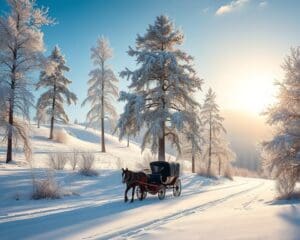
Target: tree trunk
x=102 y=136
x=127 y=140
x=9 y=135
x=12 y=96
x=219 y=167
x=53 y=111
x=38 y=124
x=209 y=150
x=193 y=164
x=102 y=111
x=11 y=109
x=51 y=127
x=161 y=140
x=161 y=145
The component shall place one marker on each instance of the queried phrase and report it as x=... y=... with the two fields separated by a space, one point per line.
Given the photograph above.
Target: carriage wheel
x=141 y=195
x=161 y=192
x=177 y=188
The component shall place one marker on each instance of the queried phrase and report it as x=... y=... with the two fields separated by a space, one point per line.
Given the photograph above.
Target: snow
x=207 y=209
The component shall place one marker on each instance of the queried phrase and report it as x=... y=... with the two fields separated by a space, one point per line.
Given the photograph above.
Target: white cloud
x=205 y=10
x=263 y=4
x=230 y=7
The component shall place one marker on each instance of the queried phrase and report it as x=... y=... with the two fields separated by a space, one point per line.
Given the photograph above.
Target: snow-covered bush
x=60 y=135
x=74 y=158
x=57 y=161
x=86 y=166
x=228 y=173
x=243 y=172
x=286 y=183
x=46 y=188
x=202 y=171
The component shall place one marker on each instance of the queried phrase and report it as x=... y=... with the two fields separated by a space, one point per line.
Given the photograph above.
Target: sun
x=254 y=93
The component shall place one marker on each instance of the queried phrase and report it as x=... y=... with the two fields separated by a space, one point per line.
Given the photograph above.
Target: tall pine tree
x=102 y=88
x=216 y=147
x=57 y=84
x=283 y=151
x=161 y=89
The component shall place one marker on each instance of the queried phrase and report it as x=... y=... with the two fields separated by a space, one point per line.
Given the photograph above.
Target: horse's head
x=125 y=175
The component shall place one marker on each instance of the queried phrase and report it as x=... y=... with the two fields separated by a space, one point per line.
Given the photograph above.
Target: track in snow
x=138 y=230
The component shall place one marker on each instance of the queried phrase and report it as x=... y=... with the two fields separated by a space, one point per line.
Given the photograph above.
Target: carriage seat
x=154 y=178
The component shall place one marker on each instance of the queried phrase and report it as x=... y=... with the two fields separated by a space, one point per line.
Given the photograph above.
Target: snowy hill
x=93 y=207
x=81 y=139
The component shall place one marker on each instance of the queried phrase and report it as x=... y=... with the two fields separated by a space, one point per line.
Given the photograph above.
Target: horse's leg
x=133 y=191
x=143 y=190
x=125 y=197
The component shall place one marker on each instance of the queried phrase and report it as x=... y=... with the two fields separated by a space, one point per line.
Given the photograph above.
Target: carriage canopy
x=165 y=169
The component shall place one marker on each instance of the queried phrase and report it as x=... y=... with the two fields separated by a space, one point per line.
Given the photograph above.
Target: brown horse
x=133 y=179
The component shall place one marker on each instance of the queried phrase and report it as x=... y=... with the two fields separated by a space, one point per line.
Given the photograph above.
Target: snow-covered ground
x=94 y=209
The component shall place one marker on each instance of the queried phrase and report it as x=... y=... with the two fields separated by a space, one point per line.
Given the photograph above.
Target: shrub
x=57 y=161
x=228 y=173
x=60 y=135
x=243 y=172
x=202 y=171
x=87 y=164
x=46 y=188
x=74 y=157
x=286 y=182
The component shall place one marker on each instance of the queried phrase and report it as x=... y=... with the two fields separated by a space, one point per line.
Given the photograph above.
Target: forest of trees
x=160 y=102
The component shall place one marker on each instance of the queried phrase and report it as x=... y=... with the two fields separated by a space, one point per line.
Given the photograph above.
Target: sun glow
x=254 y=93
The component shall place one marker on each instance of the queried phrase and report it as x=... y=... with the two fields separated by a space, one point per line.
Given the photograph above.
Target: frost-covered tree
x=21 y=48
x=216 y=147
x=283 y=150
x=3 y=110
x=103 y=89
x=41 y=112
x=161 y=89
x=57 y=89
x=191 y=142
x=224 y=155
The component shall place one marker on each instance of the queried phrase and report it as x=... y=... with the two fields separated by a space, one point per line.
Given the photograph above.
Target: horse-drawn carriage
x=163 y=176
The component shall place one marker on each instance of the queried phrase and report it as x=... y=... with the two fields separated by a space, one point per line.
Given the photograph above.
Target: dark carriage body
x=164 y=175
x=163 y=172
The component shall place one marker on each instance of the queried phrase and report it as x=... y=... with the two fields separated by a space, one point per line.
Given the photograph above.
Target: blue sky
x=238 y=45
